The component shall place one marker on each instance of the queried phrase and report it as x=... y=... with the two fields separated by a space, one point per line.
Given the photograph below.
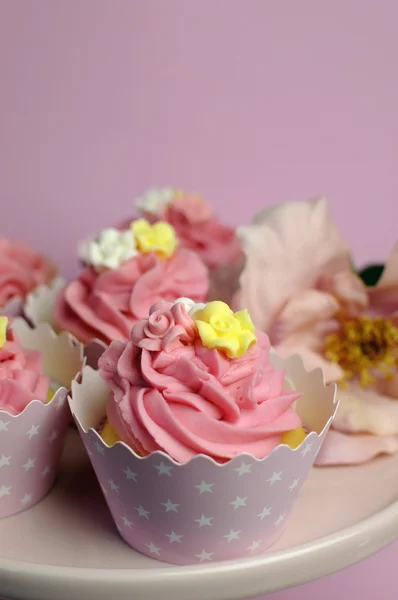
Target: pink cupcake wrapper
x=31 y=443
x=202 y=511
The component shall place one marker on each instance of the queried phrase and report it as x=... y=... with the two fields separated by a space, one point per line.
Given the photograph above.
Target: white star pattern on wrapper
x=129 y=474
x=243 y=469
x=153 y=549
x=294 y=484
x=265 y=512
x=204 y=487
x=280 y=519
x=99 y=447
x=114 y=487
x=275 y=477
x=164 y=469
x=254 y=546
x=142 y=512
x=60 y=402
x=203 y=521
x=238 y=502
x=126 y=522
x=173 y=537
x=34 y=430
x=306 y=449
x=30 y=464
x=26 y=499
x=204 y=556
x=45 y=471
x=53 y=436
x=4 y=425
x=169 y=506
x=5 y=461
x=232 y=535
x=5 y=490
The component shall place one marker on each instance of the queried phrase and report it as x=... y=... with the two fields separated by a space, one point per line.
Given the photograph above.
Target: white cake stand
x=67 y=546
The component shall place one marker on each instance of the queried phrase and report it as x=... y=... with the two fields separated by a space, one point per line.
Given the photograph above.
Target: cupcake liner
x=203 y=511
x=31 y=443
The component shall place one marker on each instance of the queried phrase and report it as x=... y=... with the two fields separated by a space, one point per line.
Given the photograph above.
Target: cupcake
x=125 y=272
x=36 y=370
x=22 y=270
x=199 y=230
x=200 y=441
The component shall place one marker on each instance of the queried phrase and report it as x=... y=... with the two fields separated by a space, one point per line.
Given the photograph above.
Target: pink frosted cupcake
x=199 y=230
x=126 y=272
x=36 y=370
x=199 y=442
x=21 y=271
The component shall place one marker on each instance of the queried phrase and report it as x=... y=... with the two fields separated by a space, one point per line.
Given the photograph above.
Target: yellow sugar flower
x=220 y=328
x=3 y=330
x=159 y=238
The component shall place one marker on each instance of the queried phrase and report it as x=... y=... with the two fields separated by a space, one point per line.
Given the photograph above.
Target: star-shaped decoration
x=5 y=490
x=45 y=471
x=126 y=522
x=204 y=487
x=26 y=499
x=203 y=521
x=170 y=506
x=294 y=484
x=265 y=512
x=204 y=556
x=60 y=402
x=114 y=487
x=254 y=546
x=232 y=535
x=280 y=519
x=4 y=425
x=275 y=477
x=99 y=447
x=306 y=449
x=142 y=512
x=34 y=430
x=53 y=436
x=153 y=549
x=164 y=469
x=238 y=502
x=243 y=469
x=30 y=464
x=173 y=537
x=129 y=474
x=5 y=461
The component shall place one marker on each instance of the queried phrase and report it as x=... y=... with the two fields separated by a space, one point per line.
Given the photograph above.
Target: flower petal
x=349 y=449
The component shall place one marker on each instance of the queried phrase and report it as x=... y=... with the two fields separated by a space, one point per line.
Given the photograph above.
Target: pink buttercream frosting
x=21 y=379
x=21 y=270
x=108 y=303
x=198 y=229
x=170 y=393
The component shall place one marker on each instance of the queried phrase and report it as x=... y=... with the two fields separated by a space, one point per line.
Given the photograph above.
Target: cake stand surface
x=68 y=547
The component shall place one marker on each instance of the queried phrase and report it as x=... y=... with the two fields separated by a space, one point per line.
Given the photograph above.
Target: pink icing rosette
x=170 y=393
x=21 y=270
x=21 y=379
x=106 y=304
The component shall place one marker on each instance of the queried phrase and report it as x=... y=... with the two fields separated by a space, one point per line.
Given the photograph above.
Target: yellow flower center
x=364 y=347
x=159 y=238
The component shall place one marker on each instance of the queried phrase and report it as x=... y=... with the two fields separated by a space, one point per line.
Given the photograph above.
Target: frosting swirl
x=21 y=380
x=21 y=270
x=108 y=303
x=170 y=393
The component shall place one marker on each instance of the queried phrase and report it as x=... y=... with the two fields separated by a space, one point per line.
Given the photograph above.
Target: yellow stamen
x=364 y=347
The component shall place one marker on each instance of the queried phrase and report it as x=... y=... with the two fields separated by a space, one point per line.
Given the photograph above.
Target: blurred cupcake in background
x=22 y=269
x=198 y=229
x=301 y=288
x=199 y=441
x=125 y=272
x=36 y=370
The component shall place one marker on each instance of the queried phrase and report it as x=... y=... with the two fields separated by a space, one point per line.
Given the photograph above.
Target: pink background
x=248 y=101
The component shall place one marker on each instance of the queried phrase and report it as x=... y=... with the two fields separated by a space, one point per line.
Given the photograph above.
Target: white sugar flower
x=154 y=199
x=190 y=306
x=109 y=250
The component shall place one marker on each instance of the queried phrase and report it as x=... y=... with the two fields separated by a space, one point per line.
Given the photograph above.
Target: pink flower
x=168 y=326
x=21 y=380
x=21 y=270
x=298 y=285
